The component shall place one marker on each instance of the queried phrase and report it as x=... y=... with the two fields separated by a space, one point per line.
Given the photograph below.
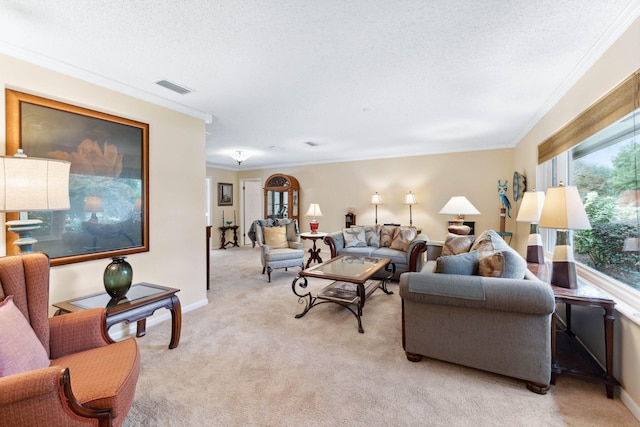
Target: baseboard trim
x=127 y=330
x=629 y=403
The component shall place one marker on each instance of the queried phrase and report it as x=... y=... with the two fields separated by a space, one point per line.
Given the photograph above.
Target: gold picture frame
x=109 y=158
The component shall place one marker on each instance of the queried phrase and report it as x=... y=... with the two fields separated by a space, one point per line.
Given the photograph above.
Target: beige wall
x=618 y=62
x=177 y=221
x=434 y=179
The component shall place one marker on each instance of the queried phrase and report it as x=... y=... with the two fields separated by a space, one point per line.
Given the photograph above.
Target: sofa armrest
x=415 y=257
x=335 y=241
x=434 y=249
x=295 y=245
x=516 y=295
x=45 y=394
x=76 y=332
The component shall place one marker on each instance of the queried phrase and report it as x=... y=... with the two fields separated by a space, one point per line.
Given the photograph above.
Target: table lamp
x=530 y=211
x=31 y=184
x=376 y=200
x=314 y=211
x=564 y=211
x=459 y=206
x=410 y=199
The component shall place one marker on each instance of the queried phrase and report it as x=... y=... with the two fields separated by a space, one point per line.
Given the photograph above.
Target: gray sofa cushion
x=464 y=264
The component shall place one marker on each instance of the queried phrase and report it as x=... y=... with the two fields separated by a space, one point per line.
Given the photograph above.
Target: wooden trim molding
x=617 y=103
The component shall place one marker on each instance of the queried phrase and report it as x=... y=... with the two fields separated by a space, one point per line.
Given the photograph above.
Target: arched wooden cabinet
x=281 y=197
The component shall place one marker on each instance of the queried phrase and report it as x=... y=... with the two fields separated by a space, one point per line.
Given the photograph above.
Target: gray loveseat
x=403 y=245
x=496 y=324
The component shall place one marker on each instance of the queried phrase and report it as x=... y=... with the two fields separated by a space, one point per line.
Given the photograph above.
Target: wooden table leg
x=176 y=321
x=141 y=328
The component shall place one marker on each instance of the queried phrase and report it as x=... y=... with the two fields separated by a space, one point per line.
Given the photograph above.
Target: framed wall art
x=108 y=182
x=225 y=194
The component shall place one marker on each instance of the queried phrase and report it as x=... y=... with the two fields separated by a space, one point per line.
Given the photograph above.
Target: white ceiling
x=361 y=79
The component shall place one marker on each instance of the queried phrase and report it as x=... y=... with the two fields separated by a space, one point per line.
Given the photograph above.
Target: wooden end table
x=314 y=252
x=223 y=239
x=142 y=300
x=568 y=355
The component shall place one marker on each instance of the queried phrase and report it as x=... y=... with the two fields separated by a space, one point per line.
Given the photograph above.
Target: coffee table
x=140 y=302
x=353 y=278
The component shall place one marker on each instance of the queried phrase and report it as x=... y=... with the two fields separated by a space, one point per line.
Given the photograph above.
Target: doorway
x=252 y=207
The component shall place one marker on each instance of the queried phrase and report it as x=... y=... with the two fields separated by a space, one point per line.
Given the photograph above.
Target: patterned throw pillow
x=20 y=348
x=386 y=235
x=483 y=243
x=402 y=238
x=464 y=264
x=354 y=237
x=490 y=264
x=455 y=244
x=372 y=234
x=275 y=237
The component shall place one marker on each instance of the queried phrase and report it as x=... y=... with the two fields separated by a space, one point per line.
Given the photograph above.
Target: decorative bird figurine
x=502 y=191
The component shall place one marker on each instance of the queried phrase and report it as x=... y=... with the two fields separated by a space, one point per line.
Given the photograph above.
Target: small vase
x=117 y=277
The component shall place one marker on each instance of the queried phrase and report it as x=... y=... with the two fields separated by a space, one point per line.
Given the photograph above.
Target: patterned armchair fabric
x=90 y=380
x=279 y=253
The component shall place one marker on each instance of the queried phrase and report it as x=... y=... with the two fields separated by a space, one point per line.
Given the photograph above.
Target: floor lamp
x=31 y=184
x=376 y=200
x=410 y=199
x=564 y=211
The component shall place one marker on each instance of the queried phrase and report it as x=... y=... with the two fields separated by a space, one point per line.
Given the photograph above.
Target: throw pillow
x=515 y=266
x=455 y=244
x=275 y=237
x=464 y=264
x=483 y=243
x=402 y=238
x=372 y=234
x=386 y=235
x=490 y=264
x=20 y=348
x=354 y=237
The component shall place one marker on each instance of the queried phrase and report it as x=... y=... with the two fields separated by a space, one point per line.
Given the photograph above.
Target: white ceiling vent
x=174 y=87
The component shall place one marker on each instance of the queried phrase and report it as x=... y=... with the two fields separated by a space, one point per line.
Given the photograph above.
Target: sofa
x=280 y=245
x=405 y=246
x=476 y=304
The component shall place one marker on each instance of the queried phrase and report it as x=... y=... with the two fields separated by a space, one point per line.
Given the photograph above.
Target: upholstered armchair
x=280 y=246
x=63 y=370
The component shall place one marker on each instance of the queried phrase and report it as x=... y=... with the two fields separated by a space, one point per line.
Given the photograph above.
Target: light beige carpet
x=245 y=360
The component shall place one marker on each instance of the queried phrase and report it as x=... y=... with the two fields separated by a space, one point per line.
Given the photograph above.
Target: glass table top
x=347 y=267
x=136 y=292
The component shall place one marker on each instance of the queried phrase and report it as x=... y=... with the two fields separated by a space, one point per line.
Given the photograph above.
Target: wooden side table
x=314 y=252
x=568 y=355
x=223 y=232
x=142 y=300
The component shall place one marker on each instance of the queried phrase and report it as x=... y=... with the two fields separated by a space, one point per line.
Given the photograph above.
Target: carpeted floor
x=245 y=360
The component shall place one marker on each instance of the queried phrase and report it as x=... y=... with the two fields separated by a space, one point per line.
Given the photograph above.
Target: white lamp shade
x=410 y=199
x=33 y=184
x=531 y=207
x=314 y=210
x=459 y=205
x=563 y=209
x=376 y=199
x=93 y=204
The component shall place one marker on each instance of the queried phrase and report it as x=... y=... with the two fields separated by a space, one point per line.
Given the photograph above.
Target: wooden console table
x=140 y=302
x=568 y=355
x=223 y=232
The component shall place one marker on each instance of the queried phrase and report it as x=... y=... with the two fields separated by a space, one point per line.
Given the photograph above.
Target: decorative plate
x=519 y=186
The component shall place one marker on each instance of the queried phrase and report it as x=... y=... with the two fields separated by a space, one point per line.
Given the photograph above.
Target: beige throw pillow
x=275 y=237
x=386 y=235
x=402 y=238
x=455 y=244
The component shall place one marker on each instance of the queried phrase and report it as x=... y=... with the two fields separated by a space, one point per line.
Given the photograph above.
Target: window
x=599 y=153
x=604 y=167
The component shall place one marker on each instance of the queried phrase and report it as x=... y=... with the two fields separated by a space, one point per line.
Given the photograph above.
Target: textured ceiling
x=360 y=79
